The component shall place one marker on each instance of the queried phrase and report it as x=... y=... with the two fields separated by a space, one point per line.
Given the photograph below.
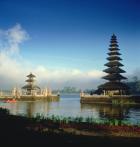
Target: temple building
x=30 y=88
x=114 y=91
x=114 y=86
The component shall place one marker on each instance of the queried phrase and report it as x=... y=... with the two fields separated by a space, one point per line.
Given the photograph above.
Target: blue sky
x=70 y=35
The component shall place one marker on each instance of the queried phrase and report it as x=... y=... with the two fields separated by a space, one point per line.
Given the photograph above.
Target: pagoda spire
x=114 y=63
x=114 y=71
x=30 y=87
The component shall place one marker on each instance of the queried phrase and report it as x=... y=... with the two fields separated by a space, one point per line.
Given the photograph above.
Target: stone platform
x=118 y=99
x=32 y=98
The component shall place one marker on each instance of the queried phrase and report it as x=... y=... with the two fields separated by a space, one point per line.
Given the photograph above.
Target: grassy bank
x=54 y=130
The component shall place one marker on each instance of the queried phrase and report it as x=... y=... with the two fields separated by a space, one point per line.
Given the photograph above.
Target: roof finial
x=114 y=35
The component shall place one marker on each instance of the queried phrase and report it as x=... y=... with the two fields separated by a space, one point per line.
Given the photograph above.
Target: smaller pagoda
x=114 y=86
x=30 y=88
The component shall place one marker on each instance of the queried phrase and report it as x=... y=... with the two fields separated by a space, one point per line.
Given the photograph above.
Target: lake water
x=69 y=105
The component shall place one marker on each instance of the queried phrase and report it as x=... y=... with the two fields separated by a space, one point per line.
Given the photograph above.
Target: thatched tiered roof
x=30 y=80
x=114 y=86
x=31 y=75
x=113 y=53
x=30 y=83
x=113 y=64
x=31 y=87
x=112 y=58
x=114 y=77
x=113 y=71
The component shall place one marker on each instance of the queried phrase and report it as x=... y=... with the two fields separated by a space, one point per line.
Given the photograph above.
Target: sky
x=64 y=42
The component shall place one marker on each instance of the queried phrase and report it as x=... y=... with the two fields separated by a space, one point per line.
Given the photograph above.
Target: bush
x=4 y=112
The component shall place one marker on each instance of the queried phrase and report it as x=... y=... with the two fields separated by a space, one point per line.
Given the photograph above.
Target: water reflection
x=30 y=109
x=70 y=106
x=33 y=108
x=107 y=111
x=125 y=112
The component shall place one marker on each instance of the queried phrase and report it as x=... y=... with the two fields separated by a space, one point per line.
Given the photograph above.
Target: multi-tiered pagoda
x=114 y=86
x=31 y=88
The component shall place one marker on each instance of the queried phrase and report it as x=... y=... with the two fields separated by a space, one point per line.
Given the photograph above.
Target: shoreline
x=77 y=126
x=45 y=131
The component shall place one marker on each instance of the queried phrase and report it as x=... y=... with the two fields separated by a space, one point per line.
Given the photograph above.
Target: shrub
x=4 y=112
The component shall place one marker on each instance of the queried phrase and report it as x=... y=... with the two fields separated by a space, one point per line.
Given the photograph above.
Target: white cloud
x=16 y=34
x=12 y=38
x=59 y=78
x=13 y=69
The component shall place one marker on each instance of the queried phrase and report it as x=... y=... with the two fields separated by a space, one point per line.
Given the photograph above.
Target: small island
x=114 y=91
x=31 y=92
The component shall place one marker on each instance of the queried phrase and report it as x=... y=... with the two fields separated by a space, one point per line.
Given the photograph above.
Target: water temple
x=32 y=92
x=114 y=91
